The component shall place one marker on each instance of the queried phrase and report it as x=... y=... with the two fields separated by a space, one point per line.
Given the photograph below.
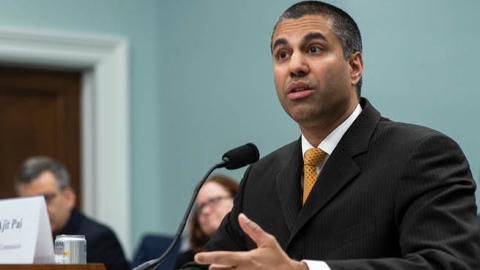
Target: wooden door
x=39 y=115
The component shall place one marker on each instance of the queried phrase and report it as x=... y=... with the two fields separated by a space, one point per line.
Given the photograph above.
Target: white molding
x=103 y=61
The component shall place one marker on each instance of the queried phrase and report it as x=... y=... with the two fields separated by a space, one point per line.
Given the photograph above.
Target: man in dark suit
x=46 y=177
x=388 y=195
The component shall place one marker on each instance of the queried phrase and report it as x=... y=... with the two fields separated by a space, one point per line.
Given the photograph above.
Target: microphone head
x=241 y=156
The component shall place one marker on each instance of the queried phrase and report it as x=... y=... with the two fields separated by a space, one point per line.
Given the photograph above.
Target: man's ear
x=70 y=197
x=356 y=67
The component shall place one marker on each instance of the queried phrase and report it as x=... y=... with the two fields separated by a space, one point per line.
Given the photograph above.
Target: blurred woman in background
x=214 y=201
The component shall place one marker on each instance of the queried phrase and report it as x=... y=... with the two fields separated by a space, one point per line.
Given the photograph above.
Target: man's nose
x=298 y=65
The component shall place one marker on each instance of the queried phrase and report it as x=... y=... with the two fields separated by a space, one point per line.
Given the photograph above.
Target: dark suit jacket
x=390 y=196
x=184 y=257
x=102 y=244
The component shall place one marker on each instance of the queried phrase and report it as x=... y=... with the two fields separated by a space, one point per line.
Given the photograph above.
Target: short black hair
x=34 y=166
x=343 y=25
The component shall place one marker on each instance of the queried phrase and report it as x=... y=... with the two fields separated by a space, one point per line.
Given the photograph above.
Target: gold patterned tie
x=312 y=158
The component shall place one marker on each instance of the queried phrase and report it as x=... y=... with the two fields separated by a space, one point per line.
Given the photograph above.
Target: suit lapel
x=288 y=184
x=338 y=171
x=340 y=168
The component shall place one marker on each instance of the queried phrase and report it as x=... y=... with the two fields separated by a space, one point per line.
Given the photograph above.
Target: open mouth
x=298 y=87
x=298 y=90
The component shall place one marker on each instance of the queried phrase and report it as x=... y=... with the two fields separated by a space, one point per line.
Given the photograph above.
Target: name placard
x=25 y=235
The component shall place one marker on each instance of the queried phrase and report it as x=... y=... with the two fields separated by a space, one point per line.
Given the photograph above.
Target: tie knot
x=313 y=157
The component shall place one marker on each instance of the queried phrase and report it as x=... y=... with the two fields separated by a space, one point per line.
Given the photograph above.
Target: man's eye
x=314 y=49
x=282 y=55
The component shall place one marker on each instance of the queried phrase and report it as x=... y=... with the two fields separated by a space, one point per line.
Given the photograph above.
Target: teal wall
x=139 y=22
x=201 y=79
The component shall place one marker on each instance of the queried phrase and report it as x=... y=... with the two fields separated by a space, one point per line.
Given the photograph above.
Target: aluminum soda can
x=70 y=249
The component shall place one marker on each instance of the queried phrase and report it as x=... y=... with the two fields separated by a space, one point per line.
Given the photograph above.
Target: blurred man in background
x=42 y=176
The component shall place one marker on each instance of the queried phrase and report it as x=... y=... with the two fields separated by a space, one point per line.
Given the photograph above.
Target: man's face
x=313 y=79
x=59 y=202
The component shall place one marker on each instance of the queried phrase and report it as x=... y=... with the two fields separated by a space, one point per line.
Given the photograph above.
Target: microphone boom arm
x=153 y=263
x=233 y=159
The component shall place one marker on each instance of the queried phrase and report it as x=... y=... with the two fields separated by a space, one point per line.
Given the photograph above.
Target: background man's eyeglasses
x=49 y=196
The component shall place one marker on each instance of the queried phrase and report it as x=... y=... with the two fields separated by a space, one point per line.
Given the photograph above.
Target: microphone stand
x=152 y=264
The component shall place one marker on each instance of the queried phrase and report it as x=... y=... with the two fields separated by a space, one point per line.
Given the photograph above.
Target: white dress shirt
x=328 y=145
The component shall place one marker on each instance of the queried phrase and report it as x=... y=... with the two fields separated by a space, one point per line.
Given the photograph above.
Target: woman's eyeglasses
x=212 y=202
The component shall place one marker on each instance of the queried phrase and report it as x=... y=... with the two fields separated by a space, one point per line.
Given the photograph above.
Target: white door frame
x=103 y=61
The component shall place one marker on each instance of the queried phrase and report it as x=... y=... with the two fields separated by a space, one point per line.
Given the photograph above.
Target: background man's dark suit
x=102 y=243
x=390 y=196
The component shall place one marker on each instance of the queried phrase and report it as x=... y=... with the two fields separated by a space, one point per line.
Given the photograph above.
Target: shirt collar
x=330 y=142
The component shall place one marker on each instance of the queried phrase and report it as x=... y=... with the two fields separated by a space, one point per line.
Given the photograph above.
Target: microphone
x=233 y=159
x=240 y=156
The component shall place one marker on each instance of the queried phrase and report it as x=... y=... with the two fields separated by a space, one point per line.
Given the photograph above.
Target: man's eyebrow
x=313 y=35
x=308 y=37
x=278 y=42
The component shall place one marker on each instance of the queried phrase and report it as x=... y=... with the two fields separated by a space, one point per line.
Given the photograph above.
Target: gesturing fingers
x=254 y=231
x=267 y=255
x=220 y=259
x=220 y=267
